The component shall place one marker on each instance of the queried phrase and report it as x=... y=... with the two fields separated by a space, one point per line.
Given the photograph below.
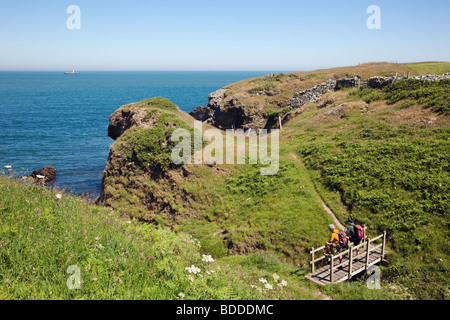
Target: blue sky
x=284 y=35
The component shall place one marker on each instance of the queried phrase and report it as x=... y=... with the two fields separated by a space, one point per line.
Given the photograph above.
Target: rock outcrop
x=45 y=175
x=200 y=113
x=229 y=114
x=259 y=102
x=140 y=173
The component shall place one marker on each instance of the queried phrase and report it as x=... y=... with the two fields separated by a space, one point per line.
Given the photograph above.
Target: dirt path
x=337 y=223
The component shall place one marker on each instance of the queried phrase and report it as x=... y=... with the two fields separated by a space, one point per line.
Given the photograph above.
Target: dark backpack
x=343 y=240
x=359 y=232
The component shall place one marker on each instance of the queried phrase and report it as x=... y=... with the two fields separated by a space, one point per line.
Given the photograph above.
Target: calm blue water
x=48 y=118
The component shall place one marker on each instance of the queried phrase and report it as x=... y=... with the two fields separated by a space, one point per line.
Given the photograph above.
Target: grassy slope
x=392 y=160
x=41 y=236
x=289 y=84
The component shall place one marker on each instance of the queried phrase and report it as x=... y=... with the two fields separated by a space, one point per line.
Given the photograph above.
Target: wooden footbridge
x=355 y=260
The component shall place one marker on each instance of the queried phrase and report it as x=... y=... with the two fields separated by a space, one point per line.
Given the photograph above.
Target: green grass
x=248 y=212
x=430 y=67
x=394 y=175
x=41 y=236
x=434 y=95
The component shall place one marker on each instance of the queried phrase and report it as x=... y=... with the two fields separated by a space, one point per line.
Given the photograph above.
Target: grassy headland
x=381 y=156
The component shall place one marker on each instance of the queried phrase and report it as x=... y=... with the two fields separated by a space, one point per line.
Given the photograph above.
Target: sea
x=49 y=118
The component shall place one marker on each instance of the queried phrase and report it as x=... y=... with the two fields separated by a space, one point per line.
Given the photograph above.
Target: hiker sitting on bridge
x=333 y=242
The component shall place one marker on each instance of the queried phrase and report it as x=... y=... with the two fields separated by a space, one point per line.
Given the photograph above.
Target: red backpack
x=359 y=232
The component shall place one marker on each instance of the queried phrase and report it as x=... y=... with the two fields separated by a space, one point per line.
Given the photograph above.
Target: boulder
x=45 y=175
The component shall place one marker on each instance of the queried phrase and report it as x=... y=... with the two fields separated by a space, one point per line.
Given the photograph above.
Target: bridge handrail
x=313 y=251
x=367 y=244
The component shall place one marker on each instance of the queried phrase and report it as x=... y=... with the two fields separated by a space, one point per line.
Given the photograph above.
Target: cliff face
x=140 y=174
x=257 y=103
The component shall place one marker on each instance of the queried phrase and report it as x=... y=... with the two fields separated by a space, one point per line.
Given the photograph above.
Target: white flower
x=181 y=295
x=193 y=269
x=268 y=286
x=253 y=286
x=129 y=222
x=207 y=258
x=262 y=280
x=58 y=196
x=283 y=283
x=276 y=277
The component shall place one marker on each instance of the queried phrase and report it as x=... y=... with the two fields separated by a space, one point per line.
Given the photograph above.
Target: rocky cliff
x=140 y=173
x=259 y=103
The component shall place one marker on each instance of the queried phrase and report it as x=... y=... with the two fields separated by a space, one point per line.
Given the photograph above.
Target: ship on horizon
x=71 y=72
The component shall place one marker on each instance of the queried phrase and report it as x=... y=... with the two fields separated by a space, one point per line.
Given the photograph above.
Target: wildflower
x=262 y=280
x=268 y=286
x=190 y=277
x=253 y=286
x=181 y=295
x=207 y=258
x=193 y=269
x=283 y=283
x=129 y=222
x=276 y=277
x=58 y=196
x=94 y=279
x=97 y=238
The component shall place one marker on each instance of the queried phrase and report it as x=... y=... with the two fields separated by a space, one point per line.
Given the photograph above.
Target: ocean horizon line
x=81 y=70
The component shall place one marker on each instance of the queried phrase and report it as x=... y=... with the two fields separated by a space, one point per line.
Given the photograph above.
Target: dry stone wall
x=313 y=94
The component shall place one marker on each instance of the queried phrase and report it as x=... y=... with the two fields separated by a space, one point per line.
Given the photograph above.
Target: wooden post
x=367 y=253
x=312 y=260
x=364 y=238
x=350 y=263
x=383 y=247
x=331 y=269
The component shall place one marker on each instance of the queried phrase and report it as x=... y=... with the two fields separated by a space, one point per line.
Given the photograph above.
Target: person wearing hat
x=351 y=233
